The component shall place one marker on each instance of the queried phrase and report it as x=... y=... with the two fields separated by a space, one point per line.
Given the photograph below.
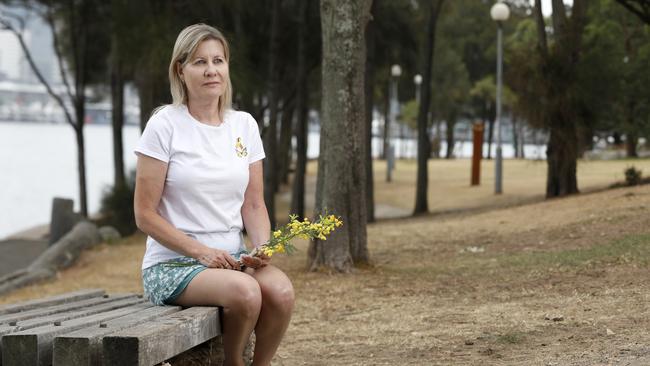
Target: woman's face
x=206 y=73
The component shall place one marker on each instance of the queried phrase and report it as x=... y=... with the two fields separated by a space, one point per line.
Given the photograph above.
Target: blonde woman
x=198 y=185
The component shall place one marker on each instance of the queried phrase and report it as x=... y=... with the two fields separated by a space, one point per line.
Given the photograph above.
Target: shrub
x=117 y=206
x=632 y=176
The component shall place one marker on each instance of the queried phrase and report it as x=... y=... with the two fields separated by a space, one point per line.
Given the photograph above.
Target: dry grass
x=466 y=287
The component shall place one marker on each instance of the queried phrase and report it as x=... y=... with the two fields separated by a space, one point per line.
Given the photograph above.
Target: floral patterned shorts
x=164 y=282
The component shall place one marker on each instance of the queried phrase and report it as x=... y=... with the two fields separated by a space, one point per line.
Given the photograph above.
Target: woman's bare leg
x=239 y=295
x=277 y=305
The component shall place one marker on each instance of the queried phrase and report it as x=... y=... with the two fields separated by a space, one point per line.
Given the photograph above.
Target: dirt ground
x=506 y=280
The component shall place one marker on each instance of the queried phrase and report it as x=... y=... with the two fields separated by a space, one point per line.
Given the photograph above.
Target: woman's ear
x=179 y=70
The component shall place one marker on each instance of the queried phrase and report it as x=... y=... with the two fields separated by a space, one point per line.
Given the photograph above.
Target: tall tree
x=561 y=114
x=302 y=109
x=369 y=94
x=341 y=164
x=117 y=76
x=271 y=132
x=424 y=149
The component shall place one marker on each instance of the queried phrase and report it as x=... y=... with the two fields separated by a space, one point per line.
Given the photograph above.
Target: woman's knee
x=246 y=297
x=280 y=296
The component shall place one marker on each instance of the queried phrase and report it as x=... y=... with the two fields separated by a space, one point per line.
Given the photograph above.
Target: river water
x=39 y=162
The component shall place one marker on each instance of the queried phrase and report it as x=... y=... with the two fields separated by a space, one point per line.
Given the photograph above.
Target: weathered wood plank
x=119 y=301
x=68 y=307
x=161 y=339
x=33 y=347
x=54 y=300
x=84 y=346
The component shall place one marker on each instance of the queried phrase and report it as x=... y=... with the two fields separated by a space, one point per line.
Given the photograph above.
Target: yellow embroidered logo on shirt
x=240 y=149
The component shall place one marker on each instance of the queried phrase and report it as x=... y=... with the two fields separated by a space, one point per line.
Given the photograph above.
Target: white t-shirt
x=207 y=176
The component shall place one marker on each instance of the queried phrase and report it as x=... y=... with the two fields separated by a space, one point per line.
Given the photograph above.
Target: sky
x=546 y=6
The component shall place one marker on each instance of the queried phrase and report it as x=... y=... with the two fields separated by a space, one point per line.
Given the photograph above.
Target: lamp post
x=499 y=13
x=417 y=79
x=395 y=72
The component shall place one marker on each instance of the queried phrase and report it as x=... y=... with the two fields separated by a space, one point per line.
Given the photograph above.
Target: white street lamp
x=396 y=70
x=417 y=79
x=499 y=13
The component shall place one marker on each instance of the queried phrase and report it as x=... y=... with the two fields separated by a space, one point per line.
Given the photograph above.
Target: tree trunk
x=369 y=89
x=631 y=140
x=424 y=149
x=562 y=156
x=271 y=138
x=558 y=65
x=515 y=135
x=522 y=140
x=342 y=170
x=145 y=96
x=284 y=147
x=117 y=117
x=81 y=165
x=302 y=109
x=451 y=141
x=384 y=145
x=78 y=40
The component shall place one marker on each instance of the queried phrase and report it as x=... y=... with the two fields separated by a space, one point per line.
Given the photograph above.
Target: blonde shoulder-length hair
x=186 y=44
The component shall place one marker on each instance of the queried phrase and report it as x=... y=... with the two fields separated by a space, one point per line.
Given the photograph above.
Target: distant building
x=13 y=63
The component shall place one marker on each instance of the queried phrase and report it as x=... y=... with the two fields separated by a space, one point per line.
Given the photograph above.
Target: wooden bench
x=90 y=327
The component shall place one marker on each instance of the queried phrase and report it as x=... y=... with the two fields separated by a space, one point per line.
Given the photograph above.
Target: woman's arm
x=253 y=211
x=150 y=182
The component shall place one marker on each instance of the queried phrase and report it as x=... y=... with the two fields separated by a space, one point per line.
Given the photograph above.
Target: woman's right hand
x=217 y=258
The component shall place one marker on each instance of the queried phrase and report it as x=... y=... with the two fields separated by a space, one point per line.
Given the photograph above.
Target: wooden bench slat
x=118 y=301
x=84 y=346
x=161 y=339
x=33 y=347
x=50 y=310
x=54 y=300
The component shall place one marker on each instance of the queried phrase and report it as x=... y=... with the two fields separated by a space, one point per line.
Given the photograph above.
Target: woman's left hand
x=259 y=261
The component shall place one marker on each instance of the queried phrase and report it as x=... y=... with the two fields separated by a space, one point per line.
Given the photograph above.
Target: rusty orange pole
x=477 y=153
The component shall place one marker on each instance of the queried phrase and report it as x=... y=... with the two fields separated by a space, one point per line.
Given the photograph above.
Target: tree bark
x=342 y=170
x=631 y=140
x=302 y=109
x=271 y=135
x=145 y=95
x=451 y=141
x=559 y=63
x=79 y=40
x=369 y=89
x=515 y=135
x=424 y=149
x=117 y=118
x=561 y=157
x=284 y=147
